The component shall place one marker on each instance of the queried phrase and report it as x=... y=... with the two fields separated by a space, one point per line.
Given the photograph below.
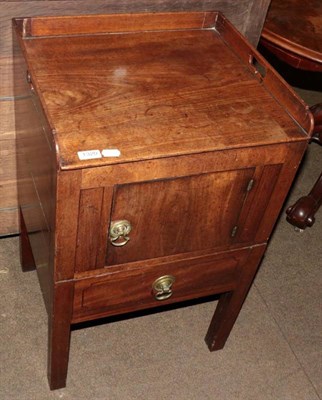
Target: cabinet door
x=175 y=216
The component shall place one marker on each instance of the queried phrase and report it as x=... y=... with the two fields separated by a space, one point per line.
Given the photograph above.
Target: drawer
x=139 y=288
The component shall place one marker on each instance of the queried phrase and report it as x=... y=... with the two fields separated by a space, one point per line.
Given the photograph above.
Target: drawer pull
x=120 y=229
x=162 y=287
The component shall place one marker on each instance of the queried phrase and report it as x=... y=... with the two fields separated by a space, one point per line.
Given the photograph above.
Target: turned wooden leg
x=302 y=213
x=230 y=304
x=59 y=326
x=26 y=257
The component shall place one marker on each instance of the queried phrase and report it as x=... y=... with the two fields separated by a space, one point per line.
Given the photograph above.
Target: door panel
x=178 y=215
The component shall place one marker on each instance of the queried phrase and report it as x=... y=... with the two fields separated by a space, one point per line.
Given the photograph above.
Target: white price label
x=89 y=154
x=111 y=153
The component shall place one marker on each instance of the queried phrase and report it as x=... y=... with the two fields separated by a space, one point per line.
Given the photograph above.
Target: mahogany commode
x=160 y=150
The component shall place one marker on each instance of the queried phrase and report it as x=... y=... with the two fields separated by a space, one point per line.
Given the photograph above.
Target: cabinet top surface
x=150 y=94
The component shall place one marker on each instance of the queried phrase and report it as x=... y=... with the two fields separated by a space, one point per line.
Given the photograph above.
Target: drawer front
x=139 y=288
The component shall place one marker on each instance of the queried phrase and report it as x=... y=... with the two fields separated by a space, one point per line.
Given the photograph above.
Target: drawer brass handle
x=120 y=229
x=162 y=287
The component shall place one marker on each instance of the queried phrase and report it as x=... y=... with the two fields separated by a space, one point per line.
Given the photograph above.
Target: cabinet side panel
x=36 y=175
x=288 y=170
x=257 y=202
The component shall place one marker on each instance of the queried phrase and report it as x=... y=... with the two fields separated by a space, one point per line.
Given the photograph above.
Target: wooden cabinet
x=160 y=148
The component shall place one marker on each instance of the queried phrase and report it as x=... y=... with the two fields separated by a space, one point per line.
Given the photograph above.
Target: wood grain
x=291 y=164
x=59 y=323
x=268 y=77
x=117 y=23
x=8 y=164
x=9 y=221
x=8 y=154
x=7 y=126
x=125 y=291
x=247 y=15
x=179 y=112
x=236 y=11
x=293 y=34
x=193 y=164
x=261 y=193
x=8 y=183
x=231 y=302
x=90 y=210
x=253 y=25
x=296 y=27
x=104 y=223
x=7 y=160
x=168 y=202
x=244 y=14
x=8 y=195
x=207 y=157
x=68 y=192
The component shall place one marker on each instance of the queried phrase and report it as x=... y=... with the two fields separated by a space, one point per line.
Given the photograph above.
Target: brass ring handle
x=119 y=229
x=162 y=287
